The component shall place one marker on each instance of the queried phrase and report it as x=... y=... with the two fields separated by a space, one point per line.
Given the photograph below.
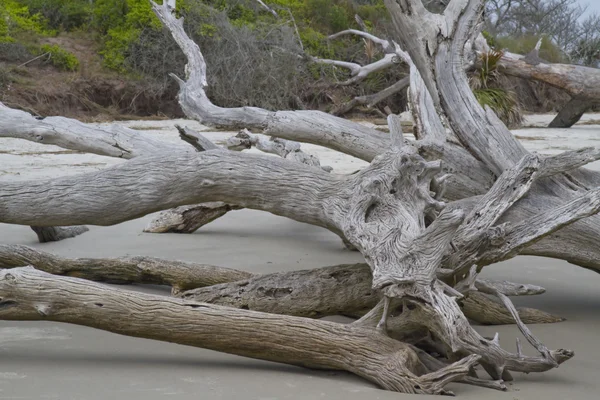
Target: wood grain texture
x=28 y=295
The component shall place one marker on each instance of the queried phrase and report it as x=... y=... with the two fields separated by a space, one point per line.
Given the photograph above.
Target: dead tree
x=582 y=83
x=424 y=235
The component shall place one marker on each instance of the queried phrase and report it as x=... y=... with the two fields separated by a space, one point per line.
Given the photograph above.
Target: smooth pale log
x=30 y=295
x=138 y=269
x=188 y=219
x=148 y=184
x=113 y=140
x=577 y=80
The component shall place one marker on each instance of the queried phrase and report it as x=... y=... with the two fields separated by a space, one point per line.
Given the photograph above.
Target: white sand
x=48 y=360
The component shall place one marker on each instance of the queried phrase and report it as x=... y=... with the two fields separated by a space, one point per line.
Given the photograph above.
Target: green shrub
x=5 y=78
x=62 y=14
x=14 y=52
x=60 y=58
x=487 y=88
x=16 y=19
x=503 y=103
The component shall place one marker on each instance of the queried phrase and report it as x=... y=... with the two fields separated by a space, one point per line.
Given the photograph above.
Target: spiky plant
x=485 y=83
x=503 y=102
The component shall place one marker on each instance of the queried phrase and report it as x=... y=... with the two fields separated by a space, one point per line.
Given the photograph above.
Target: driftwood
x=188 y=219
x=338 y=290
x=27 y=294
x=178 y=275
x=424 y=234
x=56 y=233
x=582 y=83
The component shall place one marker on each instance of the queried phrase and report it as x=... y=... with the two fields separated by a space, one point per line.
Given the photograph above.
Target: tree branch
x=144 y=270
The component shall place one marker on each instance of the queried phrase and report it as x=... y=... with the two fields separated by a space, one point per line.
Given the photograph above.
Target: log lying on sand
x=27 y=295
x=337 y=290
x=56 y=233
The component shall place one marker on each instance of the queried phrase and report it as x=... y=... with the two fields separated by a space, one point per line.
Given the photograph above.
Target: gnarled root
x=444 y=319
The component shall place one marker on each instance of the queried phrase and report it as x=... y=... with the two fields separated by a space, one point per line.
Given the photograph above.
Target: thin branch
x=269 y=9
x=385 y=44
x=198 y=141
x=179 y=275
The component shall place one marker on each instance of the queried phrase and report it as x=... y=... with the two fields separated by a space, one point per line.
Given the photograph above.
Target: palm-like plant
x=488 y=90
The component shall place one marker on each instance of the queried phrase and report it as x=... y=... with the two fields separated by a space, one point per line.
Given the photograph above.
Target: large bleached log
x=28 y=295
x=138 y=188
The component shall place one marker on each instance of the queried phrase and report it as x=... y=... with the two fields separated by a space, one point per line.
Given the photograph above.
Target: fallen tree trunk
x=577 y=80
x=337 y=290
x=571 y=112
x=252 y=181
x=29 y=295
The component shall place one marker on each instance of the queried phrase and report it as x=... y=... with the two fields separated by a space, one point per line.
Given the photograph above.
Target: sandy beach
x=40 y=360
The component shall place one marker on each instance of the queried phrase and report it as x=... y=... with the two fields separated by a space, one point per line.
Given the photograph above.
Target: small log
x=56 y=233
x=188 y=219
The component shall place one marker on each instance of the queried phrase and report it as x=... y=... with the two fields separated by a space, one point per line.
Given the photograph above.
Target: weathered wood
x=144 y=270
x=112 y=141
x=482 y=309
x=188 y=219
x=447 y=324
x=359 y=72
x=56 y=233
x=391 y=211
x=138 y=187
x=195 y=139
x=337 y=290
x=27 y=294
x=371 y=100
x=577 y=80
x=571 y=113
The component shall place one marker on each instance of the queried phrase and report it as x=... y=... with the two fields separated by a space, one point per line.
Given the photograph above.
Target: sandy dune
x=55 y=361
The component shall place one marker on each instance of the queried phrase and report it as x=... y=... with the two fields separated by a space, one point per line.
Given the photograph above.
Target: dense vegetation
x=255 y=58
